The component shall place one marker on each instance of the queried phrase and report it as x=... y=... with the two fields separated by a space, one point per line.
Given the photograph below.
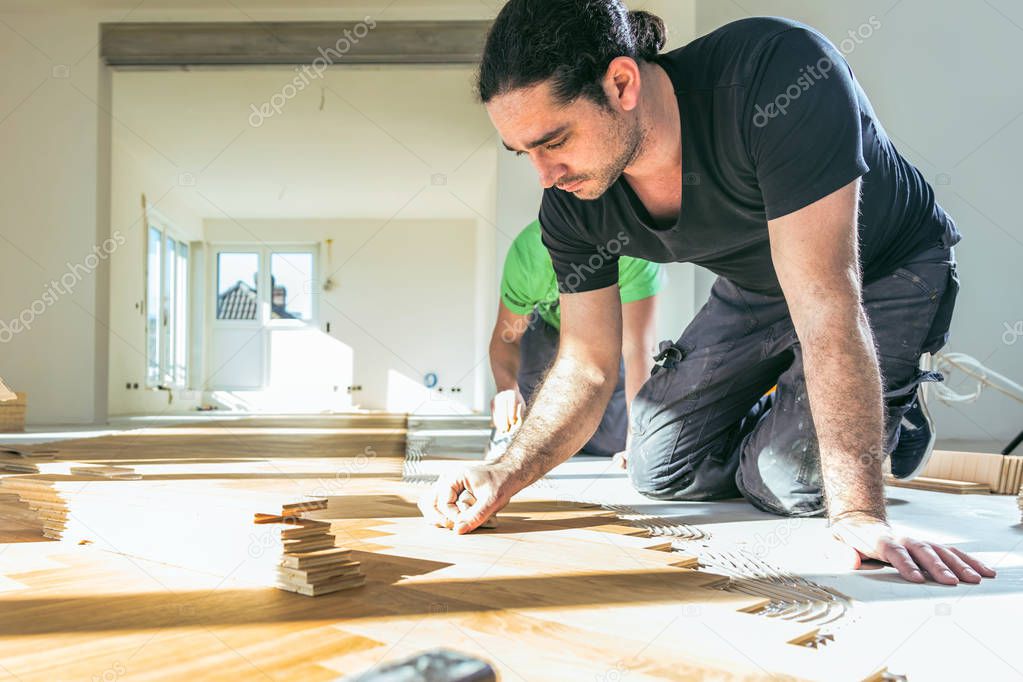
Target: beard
x=626 y=138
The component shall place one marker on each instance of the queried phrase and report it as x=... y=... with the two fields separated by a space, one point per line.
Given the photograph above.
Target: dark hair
x=570 y=42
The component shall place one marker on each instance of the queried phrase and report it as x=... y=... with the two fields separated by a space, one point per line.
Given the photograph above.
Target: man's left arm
x=638 y=337
x=814 y=250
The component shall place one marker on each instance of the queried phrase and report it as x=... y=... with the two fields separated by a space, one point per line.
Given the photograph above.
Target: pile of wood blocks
x=968 y=472
x=307 y=560
x=197 y=520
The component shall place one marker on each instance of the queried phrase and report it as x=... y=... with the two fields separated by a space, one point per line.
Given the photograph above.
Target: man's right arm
x=505 y=343
x=504 y=347
x=565 y=413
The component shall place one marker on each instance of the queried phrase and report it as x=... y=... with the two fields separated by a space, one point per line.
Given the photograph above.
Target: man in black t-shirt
x=753 y=152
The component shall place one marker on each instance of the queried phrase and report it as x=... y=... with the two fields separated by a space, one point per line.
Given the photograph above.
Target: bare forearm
x=638 y=364
x=844 y=387
x=565 y=413
x=638 y=334
x=504 y=363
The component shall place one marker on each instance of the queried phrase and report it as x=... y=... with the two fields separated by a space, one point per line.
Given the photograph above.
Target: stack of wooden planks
x=1000 y=473
x=15 y=461
x=968 y=472
x=155 y=512
x=940 y=485
x=307 y=560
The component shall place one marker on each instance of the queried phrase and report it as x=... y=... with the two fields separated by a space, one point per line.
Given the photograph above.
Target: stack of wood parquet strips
x=12 y=508
x=968 y=472
x=193 y=519
x=309 y=563
x=1001 y=473
x=15 y=461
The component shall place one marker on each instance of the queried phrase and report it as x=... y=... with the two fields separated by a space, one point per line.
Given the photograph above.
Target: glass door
x=266 y=333
x=167 y=273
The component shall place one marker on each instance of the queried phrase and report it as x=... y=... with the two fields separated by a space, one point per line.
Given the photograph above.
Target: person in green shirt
x=525 y=339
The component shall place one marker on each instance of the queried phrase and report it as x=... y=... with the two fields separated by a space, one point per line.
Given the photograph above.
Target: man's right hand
x=492 y=485
x=507 y=408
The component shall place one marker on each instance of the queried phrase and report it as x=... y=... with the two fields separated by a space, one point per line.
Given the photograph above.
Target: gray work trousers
x=702 y=426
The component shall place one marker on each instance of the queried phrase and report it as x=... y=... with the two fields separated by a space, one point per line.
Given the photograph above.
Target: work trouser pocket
x=937 y=336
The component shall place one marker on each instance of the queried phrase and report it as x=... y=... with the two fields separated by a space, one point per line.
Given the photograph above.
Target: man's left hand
x=913 y=559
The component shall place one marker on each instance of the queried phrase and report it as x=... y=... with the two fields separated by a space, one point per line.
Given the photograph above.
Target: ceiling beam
x=314 y=43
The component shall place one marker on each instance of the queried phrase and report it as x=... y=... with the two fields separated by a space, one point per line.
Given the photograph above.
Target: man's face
x=581 y=147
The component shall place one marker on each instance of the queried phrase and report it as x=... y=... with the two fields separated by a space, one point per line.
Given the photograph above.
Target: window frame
x=173 y=314
x=264 y=294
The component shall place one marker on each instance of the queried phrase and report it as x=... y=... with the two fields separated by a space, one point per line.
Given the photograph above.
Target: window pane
x=181 y=330
x=153 y=305
x=237 y=295
x=291 y=278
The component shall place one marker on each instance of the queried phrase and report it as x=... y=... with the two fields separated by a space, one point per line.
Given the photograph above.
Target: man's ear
x=622 y=82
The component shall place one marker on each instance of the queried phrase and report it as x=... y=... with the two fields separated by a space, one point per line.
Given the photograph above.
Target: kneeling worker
x=525 y=339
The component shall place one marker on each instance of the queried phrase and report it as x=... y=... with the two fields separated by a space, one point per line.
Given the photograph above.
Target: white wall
x=48 y=217
x=944 y=78
x=131 y=179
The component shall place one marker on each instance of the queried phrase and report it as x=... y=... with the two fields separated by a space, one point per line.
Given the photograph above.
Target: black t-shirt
x=772 y=121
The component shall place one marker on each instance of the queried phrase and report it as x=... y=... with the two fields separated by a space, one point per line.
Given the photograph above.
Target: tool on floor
x=436 y=665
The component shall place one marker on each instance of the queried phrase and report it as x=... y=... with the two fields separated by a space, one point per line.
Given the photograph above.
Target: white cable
x=970 y=366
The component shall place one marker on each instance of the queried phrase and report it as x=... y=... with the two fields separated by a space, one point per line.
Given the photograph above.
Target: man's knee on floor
x=792 y=505
x=783 y=479
x=682 y=475
x=656 y=486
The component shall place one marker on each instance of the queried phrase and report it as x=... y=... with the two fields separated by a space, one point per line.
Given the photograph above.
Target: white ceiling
x=360 y=142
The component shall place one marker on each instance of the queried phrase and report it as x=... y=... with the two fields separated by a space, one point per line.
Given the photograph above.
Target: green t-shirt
x=528 y=281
